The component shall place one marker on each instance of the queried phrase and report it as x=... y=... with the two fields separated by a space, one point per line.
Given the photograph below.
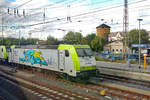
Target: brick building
x=103 y=30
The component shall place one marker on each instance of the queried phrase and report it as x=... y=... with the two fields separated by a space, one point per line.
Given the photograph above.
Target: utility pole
x=139 y=42
x=19 y=37
x=125 y=27
x=2 y=30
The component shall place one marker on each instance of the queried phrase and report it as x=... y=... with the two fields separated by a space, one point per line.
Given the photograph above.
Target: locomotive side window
x=2 y=49
x=66 y=53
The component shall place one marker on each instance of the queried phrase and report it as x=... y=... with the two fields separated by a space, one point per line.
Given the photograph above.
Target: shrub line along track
x=55 y=93
x=112 y=91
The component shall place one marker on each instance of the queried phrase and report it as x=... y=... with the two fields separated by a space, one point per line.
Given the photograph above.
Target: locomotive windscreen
x=84 y=52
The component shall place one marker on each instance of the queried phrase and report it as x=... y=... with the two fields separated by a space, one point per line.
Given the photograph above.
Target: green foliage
x=15 y=41
x=78 y=37
x=71 y=36
x=102 y=59
x=95 y=42
x=90 y=37
x=133 y=37
x=51 y=40
x=108 y=60
x=98 y=43
x=31 y=40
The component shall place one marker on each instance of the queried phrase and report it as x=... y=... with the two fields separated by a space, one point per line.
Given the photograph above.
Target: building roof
x=103 y=26
x=113 y=34
x=115 y=42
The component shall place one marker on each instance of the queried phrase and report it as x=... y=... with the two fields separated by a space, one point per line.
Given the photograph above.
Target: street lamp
x=139 y=42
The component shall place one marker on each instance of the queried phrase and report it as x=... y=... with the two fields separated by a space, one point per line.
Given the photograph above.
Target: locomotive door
x=61 y=60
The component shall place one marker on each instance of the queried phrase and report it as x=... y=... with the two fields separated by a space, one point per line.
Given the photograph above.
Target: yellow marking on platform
x=102 y=92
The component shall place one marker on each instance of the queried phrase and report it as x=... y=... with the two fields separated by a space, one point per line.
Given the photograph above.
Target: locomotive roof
x=38 y=47
x=50 y=46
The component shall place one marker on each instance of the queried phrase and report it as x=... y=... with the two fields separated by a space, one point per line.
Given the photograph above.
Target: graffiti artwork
x=34 y=57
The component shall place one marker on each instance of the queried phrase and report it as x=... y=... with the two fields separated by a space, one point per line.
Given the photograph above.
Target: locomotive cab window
x=84 y=52
x=66 y=53
x=8 y=50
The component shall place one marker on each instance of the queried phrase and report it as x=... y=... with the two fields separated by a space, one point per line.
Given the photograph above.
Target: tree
x=15 y=41
x=89 y=38
x=51 y=40
x=98 y=43
x=78 y=37
x=71 y=36
x=133 y=37
x=31 y=40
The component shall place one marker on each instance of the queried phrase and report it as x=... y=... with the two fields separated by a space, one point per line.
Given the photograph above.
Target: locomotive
x=73 y=61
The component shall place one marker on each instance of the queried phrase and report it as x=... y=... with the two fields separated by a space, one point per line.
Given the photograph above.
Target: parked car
x=105 y=55
x=133 y=57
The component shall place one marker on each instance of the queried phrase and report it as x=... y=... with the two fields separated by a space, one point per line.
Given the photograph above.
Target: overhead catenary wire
x=81 y=14
x=108 y=8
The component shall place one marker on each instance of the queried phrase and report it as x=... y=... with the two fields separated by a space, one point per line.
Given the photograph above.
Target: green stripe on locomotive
x=76 y=62
x=4 y=52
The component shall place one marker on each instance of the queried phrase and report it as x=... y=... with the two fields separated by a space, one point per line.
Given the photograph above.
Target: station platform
x=120 y=69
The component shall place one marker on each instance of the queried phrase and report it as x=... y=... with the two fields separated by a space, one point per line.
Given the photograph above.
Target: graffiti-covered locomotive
x=76 y=61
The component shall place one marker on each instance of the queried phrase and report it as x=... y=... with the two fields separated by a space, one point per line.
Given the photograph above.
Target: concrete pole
x=19 y=37
x=139 y=43
x=2 y=31
x=125 y=27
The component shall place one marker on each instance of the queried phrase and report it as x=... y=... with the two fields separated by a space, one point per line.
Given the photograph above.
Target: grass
x=108 y=60
x=102 y=59
x=118 y=61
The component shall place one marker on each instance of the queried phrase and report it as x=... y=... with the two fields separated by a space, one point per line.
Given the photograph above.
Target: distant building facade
x=115 y=47
x=103 y=30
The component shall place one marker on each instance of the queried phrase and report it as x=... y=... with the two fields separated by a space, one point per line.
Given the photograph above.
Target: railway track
x=121 y=93
x=47 y=90
x=110 y=91
x=1 y=98
x=126 y=80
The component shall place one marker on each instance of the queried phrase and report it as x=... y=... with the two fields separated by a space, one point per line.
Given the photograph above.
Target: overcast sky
x=86 y=15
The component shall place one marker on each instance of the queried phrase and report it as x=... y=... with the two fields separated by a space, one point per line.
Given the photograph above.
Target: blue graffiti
x=33 y=57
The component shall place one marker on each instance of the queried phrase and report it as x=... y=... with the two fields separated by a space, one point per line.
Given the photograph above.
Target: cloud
x=4 y=3
x=86 y=23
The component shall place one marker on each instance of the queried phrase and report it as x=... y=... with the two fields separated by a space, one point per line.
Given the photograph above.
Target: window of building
x=120 y=50
x=113 y=50
x=116 y=49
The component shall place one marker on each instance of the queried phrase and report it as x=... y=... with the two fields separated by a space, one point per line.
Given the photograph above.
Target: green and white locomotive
x=3 y=54
x=74 y=61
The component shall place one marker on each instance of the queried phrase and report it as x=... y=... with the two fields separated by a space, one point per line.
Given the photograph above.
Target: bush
x=133 y=62
x=102 y=59
x=108 y=60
